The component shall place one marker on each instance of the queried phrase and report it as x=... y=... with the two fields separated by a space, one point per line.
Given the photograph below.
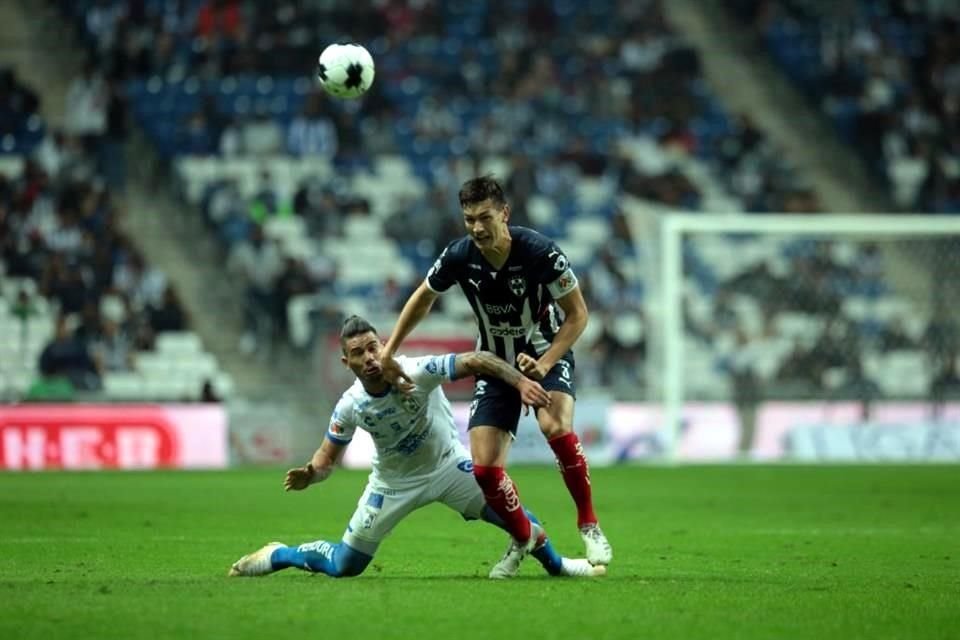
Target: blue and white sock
x=338 y=560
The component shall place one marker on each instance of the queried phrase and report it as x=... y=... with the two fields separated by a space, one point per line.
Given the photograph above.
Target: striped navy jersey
x=514 y=305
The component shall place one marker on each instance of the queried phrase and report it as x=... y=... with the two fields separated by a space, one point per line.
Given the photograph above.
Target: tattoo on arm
x=488 y=364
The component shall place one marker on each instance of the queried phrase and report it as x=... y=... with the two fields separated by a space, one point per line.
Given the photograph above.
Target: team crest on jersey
x=518 y=285
x=411 y=404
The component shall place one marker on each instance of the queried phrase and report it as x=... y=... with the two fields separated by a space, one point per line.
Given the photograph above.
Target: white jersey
x=412 y=432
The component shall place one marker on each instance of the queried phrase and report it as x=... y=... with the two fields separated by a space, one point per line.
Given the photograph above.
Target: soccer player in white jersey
x=419 y=460
x=529 y=310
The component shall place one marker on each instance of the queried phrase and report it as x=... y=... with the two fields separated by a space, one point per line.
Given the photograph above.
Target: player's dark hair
x=479 y=189
x=354 y=326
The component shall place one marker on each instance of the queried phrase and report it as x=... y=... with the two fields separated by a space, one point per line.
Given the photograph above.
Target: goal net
x=810 y=338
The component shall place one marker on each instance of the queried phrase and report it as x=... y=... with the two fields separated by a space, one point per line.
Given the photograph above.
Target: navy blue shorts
x=497 y=404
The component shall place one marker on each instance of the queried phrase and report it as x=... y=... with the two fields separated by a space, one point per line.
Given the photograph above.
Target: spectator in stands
x=220 y=19
x=266 y=201
x=294 y=280
x=311 y=133
x=257 y=263
x=24 y=307
x=613 y=287
x=196 y=136
x=945 y=385
x=143 y=284
x=64 y=284
x=89 y=328
x=169 y=314
x=50 y=153
x=17 y=102
x=434 y=121
x=114 y=348
x=261 y=135
x=894 y=336
x=86 y=107
x=226 y=211
x=68 y=357
x=316 y=202
x=111 y=160
x=942 y=336
x=208 y=393
x=746 y=387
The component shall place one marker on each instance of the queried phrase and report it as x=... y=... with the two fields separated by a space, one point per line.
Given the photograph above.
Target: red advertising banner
x=35 y=437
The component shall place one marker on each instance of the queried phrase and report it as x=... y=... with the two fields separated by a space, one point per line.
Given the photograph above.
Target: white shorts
x=382 y=507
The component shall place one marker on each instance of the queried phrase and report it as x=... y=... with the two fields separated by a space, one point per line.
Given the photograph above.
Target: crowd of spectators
x=60 y=236
x=888 y=73
x=556 y=107
x=831 y=359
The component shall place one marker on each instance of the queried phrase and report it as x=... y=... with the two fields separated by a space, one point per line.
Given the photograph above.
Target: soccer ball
x=345 y=70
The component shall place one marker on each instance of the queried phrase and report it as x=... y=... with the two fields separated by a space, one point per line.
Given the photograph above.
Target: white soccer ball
x=345 y=70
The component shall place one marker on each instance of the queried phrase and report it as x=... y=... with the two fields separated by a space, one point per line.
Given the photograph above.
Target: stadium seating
x=34 y=234
x=629 y=125
x=880 y=74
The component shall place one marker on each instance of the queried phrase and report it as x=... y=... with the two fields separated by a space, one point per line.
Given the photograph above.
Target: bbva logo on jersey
x=518 y=285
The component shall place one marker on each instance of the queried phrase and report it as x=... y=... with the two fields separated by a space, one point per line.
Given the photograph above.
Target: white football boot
x=256 y=563
x=509 y=564
x=581 y=568
x=599 y=550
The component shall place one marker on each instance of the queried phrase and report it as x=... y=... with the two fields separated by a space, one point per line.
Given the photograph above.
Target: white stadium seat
x=123 y=386
x=178 y=342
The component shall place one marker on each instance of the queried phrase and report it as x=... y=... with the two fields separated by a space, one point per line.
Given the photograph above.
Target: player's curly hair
x=354 y=326
x=479 y=189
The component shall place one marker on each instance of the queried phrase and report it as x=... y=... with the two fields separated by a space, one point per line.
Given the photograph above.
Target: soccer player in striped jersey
x=418 y=460
x=529 y=311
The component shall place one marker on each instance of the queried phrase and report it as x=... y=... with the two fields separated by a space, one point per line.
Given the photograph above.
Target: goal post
x=698 y=256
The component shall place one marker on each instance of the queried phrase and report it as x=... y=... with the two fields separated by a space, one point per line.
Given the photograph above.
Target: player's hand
x=394 y=375
x=531 y=367
x=532 y=395
x=298 y=479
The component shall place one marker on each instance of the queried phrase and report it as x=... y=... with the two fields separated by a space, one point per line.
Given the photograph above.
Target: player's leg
x=457 y=489
x=556 y=424
x=337 y=560
x=378 y=512
x=493 y=420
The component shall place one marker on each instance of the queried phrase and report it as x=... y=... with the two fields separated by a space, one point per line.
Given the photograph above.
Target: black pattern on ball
x=321 y=72
x=354 y=76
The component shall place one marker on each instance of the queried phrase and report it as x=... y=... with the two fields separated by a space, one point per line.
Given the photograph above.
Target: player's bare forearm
x=485 y=363
x=415 y=310
x=328 y=455
x=319 y=468
x=574 y=322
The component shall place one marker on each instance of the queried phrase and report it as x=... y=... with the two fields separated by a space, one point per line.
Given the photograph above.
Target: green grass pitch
x=710 y=552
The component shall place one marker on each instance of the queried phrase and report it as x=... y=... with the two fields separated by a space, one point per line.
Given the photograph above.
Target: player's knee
x=349 y=562
x=349 y=571
x=551 y=427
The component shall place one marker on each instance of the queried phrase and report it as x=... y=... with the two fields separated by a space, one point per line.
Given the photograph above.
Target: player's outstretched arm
x=415 y=310
x=486 y=363
x=318 y=469
x=574 y=322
